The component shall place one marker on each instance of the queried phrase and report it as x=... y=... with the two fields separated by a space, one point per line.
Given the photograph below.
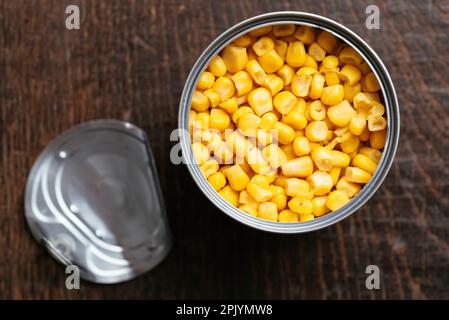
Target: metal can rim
x=390 y=100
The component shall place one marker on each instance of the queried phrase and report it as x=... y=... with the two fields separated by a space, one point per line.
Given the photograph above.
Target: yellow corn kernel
x=371 y=153
x=268 y=120
x=332 y=78
x=295 y=187
x=364 y=67
x=300 y=167
x=377 y=139
x=316 y=52
x=306 y=71
x=243 y=99
x=218 y=119
x=256 y=72
x=306 y=34
x=257 y=161
x=230 y=195
x=340 y=159
x=200 y=102
x=274 y=155
x=323 y=158
x=289 y=153
x=296 y=118
x=271 y=61
x=217 y=66
x=240 y=112
x=273 y=83
x=364 y=136
x=316 y=86
x=353 y=154
x=271 y=175
x=263 y=45
x=376 y=110
x=230 y=105
x=350 y=74
x=192 y=119
x=332 y=95
x=224 y=87
x=217 y=180
x=209 y=167
x=248 y=124
x=238 y=144
x=377 y=124
x=317 y=110
x=371 y=83
x=336 y=199
x=279 y=198
x=301 y=146
x=349 y=56
x=350 y=144
x=238 y=179
x=247 y=199
x=341 y=114
x=267 y=211
x=300 y=85
x=330 y=62
x=296 y=54
x=316 y=131
x=235 y=58
x=259 y=193
x=305 y=217
x=260 y=31
x=310 y=62
x=261 y=181
x=328 y=41
x=319 y=206
x=335 y=174
x=281 y=48
x=288 y=216
x=264 y=138
x=280 y=180
x=282 y=30
x=223 y=154
x=349 y=188
x=242 y=82
x=243 y=41
x=206 y=80
x=213 y=96
x=351 y=91
x=249 y=210
x=357 y=124
x=320 y=182
x=365 y=163
x=301 y=206
x=260 y=100
x=357 y=175
x=284 y=102
x=202 y=120
x=286 y=74
x=285 y=133
x=362 y=102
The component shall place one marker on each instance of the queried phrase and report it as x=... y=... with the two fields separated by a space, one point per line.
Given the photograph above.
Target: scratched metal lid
x=93 y=200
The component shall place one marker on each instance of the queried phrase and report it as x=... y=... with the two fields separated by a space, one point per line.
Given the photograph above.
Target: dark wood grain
x=129 y=61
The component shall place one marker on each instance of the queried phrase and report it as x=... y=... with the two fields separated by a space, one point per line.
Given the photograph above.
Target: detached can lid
x=93 y=200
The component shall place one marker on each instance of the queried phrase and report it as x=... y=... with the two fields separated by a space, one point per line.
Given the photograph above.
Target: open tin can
x=389 y=100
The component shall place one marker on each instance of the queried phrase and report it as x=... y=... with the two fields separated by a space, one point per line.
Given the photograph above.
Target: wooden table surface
x=129 y=61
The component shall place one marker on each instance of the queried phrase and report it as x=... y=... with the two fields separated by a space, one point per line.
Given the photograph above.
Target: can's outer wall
x=390 y=101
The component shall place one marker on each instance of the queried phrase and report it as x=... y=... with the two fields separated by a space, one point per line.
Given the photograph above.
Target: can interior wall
x=389 y=99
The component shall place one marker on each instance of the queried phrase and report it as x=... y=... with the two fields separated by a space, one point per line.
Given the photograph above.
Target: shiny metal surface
x=346 y=35
x=93 y=200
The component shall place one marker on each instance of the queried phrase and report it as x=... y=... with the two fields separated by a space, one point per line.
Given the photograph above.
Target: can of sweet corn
x=389 y=100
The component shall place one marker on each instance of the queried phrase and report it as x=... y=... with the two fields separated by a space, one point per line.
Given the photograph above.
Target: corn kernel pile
x=286 y=123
